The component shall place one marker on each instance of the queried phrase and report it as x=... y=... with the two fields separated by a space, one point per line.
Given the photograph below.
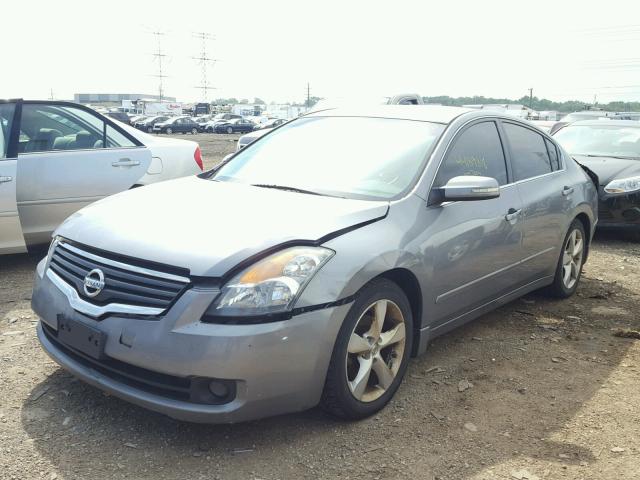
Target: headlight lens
x=271 y=285
x=623 y=185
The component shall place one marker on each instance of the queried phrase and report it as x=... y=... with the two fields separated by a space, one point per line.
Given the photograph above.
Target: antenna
x=204 y=61
x=159 y=56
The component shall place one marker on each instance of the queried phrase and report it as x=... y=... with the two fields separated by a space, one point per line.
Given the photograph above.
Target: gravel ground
x=537 y=389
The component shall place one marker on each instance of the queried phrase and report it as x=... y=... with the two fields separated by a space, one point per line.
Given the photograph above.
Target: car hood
x=208 y=226
x=608 y=168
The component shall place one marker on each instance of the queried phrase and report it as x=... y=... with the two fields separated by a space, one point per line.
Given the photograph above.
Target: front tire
x=371 y=353
x=194 y=131
x=169 y=131
x=229 y=130
x=569 y=267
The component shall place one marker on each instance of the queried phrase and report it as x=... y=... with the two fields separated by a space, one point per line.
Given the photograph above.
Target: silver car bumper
x=276 y=368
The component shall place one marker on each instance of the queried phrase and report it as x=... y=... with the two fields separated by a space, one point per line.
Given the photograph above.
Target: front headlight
x=271 y=285
x=623 y=185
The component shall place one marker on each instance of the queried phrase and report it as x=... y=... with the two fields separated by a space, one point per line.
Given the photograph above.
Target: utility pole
x=51 y=96
x=204 y=61
x=159 y=56
x=308 y=96
x=531 y=98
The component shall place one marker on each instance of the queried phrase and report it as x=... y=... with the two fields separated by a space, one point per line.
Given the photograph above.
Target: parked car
x=117 y=115
x=328 y=264
x=611 y=149
x=201 y=121
x=219 y=118
x=238 y=125
x=271 y=123
x=579 y=116
x=57 y=157
x=246 y=139
x=148 y=123
x=177 y=125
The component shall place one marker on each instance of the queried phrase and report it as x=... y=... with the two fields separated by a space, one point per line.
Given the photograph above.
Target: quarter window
x=553 y=155
x=477 y=152
x=529 y=155
x=46 y=128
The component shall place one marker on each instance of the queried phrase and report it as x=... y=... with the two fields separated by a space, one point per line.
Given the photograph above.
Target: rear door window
x=529 y=155
x=47 y=128
x=477 y=151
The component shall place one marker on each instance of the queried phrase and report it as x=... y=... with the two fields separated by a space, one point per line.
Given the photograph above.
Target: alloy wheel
x=572 y=258
x=375 y=350
x=169 y=131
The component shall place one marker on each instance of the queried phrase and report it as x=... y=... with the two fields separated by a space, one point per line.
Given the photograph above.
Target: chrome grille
x=150 y=291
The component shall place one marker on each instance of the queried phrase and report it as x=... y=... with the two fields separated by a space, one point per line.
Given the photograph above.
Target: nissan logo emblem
x=94 y=282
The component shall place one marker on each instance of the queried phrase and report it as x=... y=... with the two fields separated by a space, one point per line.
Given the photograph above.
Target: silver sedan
x=321 y=265
x=57 y=157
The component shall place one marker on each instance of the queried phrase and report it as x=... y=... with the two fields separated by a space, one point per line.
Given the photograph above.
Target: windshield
x=353 y=157
x=600 y=140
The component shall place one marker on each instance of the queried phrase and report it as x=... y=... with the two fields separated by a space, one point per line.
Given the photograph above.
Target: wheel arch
x=586 y=223
x=408 y=283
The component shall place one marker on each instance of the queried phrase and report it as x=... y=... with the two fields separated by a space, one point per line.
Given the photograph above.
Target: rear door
x=539 y=177
x=68 y=157
x=11 y=239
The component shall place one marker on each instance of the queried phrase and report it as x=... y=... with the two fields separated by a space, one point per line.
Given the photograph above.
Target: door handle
x=125 y=162
x=567 y=191
x=512 y=215
x=6 y=179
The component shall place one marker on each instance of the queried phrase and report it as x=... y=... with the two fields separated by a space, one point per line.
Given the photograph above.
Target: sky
x=563 y=49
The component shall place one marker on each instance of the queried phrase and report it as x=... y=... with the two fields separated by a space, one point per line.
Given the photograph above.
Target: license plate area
x=81 y=337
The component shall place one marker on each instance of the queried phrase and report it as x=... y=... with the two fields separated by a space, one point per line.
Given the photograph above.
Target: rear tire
x=569 y=267
x=371 y=352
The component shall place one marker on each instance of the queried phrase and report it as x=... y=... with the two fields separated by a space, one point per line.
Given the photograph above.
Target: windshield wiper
x=288 y=189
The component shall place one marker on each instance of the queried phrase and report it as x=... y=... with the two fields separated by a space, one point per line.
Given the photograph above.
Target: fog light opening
x=218 y=389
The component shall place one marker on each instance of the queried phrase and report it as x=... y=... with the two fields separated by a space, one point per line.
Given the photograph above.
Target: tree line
x=539 y=104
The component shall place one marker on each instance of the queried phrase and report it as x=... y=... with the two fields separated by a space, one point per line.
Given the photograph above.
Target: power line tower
x=159 y=56
x=204 y=61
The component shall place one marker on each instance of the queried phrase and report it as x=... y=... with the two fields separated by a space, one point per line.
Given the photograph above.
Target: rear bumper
x=275 y=368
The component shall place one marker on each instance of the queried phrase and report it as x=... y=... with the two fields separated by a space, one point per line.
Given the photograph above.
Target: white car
x=57 y=157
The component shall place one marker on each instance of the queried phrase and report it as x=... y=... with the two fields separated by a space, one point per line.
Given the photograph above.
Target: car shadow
x=533 y=365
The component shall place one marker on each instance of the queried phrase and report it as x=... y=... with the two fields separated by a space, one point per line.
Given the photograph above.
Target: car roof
x=610 y=123
x=424 y=113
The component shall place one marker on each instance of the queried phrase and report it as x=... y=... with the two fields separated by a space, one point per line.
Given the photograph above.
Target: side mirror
x=467 y=188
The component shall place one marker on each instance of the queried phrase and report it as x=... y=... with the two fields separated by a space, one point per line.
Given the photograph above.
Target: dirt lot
x=553 y=393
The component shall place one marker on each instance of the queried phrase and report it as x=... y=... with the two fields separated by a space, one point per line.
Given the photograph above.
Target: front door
x=473 y=247
x=70 y=156
x=11 y=239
